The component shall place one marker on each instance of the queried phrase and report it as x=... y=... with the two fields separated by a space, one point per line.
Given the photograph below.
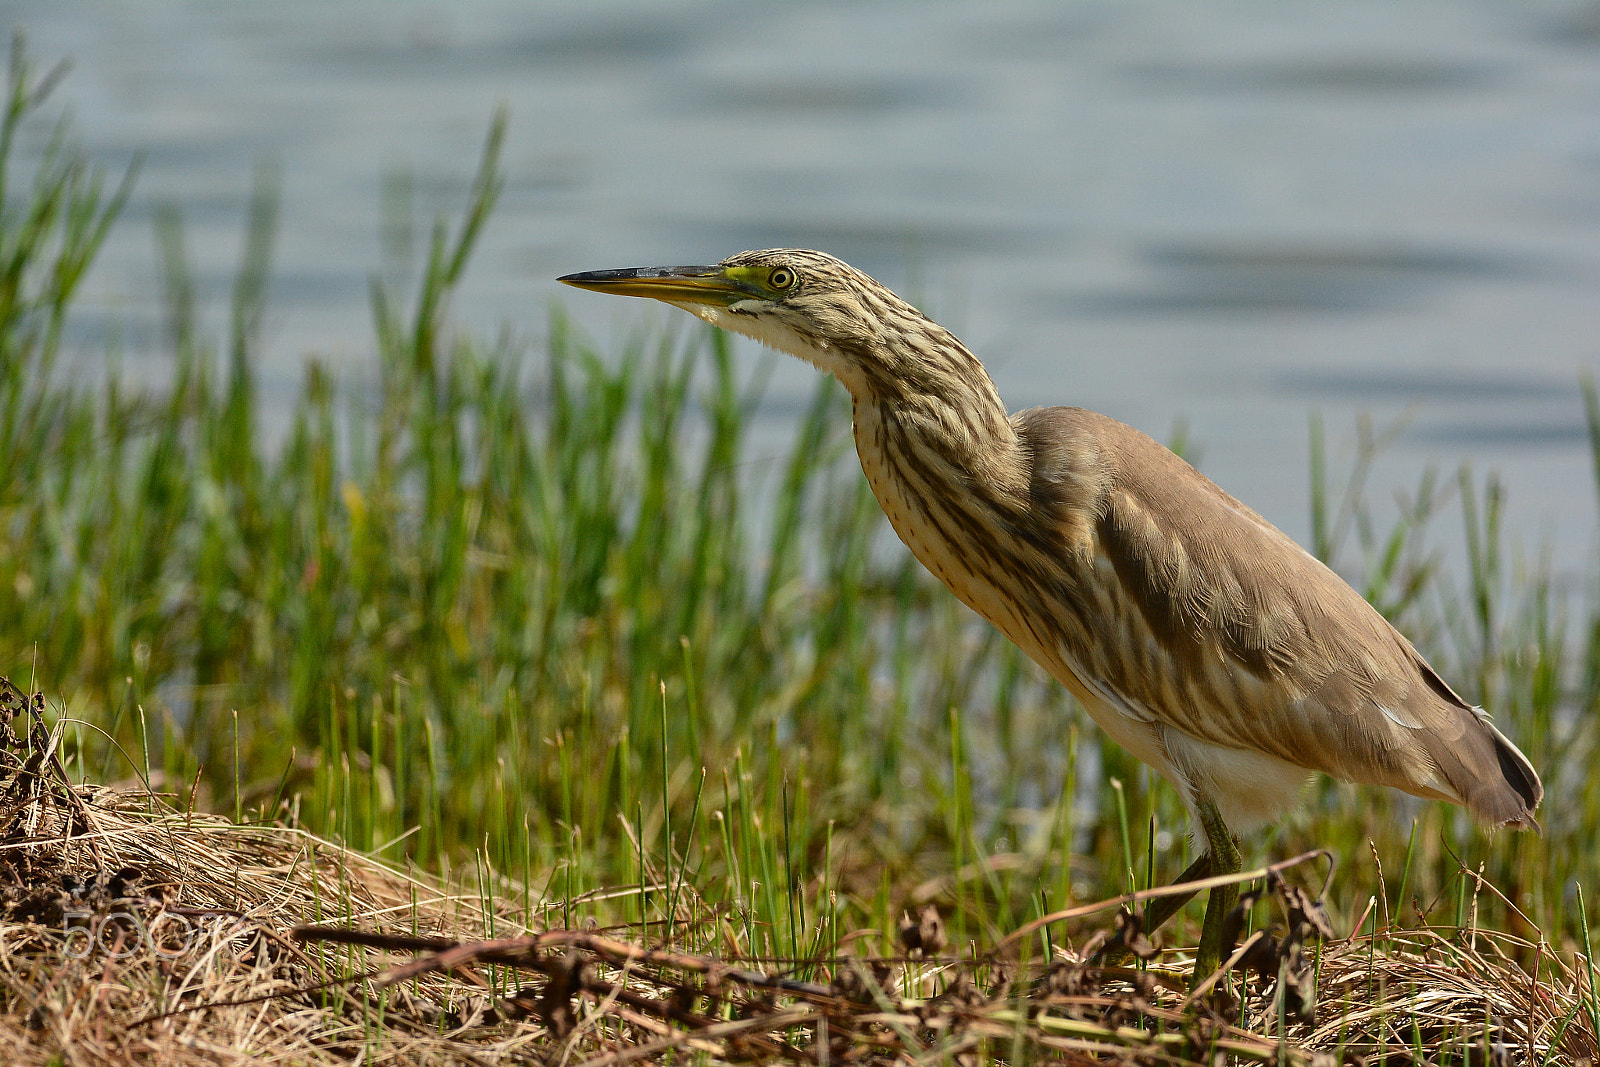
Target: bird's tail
x=1493 y=778
x=1490 y=776
x=1520 y=776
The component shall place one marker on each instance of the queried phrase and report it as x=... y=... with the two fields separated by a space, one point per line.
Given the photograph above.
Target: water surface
x=1225 y=215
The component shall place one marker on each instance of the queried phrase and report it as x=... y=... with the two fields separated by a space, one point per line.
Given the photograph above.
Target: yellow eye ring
x=781 y=278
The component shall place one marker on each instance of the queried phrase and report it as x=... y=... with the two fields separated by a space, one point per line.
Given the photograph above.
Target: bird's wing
x=1205 y=618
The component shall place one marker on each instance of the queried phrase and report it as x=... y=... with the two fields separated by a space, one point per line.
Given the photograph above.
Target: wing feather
x=1211 y=621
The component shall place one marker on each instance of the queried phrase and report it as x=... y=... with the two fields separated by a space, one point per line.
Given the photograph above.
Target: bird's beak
x=675 y=285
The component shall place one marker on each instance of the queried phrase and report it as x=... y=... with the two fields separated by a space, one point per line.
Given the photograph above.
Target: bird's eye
x=781 y=278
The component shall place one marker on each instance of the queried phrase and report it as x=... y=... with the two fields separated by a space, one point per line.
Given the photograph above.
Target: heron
x=1198 y=636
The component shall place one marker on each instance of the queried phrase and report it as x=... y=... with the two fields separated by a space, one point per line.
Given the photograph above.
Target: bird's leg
x=1224 y=854
x=1158 y=911
x=1163 y=908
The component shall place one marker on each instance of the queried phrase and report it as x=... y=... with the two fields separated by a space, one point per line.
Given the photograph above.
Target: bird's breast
x=938 y=510
x=919 y=501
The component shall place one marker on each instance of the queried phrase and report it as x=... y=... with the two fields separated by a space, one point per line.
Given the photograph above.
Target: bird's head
x=805 y=303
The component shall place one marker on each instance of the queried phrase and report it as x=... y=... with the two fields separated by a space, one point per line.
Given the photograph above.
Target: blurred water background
x=1221 y=216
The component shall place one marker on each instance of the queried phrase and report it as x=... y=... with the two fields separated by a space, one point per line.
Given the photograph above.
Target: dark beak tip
x=584 y=276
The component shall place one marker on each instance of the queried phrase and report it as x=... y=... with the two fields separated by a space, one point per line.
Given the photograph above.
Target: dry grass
x=136 y=933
